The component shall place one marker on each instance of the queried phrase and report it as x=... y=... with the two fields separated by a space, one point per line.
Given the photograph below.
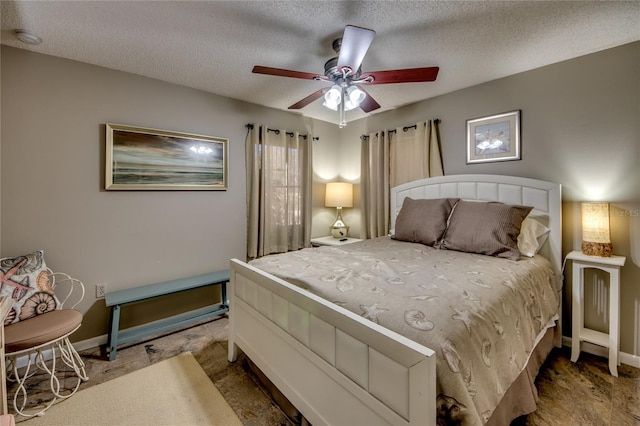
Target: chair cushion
x=40 y=329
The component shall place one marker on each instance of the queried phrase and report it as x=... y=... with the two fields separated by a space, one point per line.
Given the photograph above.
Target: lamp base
x=339 y=229
x=597 y=249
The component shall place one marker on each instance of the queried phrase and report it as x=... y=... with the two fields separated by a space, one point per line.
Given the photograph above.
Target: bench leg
x=223 y=295
x=113 y=332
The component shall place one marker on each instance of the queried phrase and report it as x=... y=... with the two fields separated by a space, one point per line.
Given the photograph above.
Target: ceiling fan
x=345 y=73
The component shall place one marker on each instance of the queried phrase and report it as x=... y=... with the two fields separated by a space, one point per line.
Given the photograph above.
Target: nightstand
x=579 y=333
x=330 y=241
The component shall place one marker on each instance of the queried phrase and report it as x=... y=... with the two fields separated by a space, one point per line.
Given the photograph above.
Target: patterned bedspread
x=482 y=315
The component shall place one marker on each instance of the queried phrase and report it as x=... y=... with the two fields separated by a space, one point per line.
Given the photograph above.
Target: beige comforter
x=482 y=315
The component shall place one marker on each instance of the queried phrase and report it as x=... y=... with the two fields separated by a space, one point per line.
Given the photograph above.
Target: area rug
x=175 y=391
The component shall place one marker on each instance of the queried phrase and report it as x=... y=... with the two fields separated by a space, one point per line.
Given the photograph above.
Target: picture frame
x=494 y=138
x=142 y=159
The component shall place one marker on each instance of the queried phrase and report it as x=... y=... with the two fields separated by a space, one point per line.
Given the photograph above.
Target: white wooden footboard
x=334 y=366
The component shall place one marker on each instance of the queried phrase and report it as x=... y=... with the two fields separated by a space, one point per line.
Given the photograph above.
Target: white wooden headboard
x=544 y=197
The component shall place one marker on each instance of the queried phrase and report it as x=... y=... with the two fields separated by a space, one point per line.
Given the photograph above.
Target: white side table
x=331 y=241
x=579 y=333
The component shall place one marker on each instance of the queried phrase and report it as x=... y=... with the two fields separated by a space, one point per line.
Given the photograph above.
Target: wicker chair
x=41 y=344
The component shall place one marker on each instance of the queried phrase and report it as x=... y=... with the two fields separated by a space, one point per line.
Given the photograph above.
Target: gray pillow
x=423 y=221
x=489 y=228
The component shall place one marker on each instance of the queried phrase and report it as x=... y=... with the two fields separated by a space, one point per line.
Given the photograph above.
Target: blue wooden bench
x=116 y=299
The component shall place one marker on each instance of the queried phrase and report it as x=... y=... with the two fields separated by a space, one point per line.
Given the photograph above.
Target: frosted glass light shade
x=596 y=236
x=333 y=97
x=356 y=95
x=339 y=194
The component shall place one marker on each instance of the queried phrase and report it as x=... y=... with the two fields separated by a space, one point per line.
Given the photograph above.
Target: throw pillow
x=532 y=236
x=25 y=279
x=423 y=221
x=490 y=228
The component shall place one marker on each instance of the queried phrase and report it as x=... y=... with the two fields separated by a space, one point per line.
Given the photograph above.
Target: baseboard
x=94 y=342
x=623 y=357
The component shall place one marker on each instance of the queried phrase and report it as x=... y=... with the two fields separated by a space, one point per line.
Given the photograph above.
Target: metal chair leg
x=61 y=350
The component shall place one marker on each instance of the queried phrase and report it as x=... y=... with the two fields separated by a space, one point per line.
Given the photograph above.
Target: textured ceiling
x=213 y=45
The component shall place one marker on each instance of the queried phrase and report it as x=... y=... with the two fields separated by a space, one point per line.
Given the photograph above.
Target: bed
x=337 y=363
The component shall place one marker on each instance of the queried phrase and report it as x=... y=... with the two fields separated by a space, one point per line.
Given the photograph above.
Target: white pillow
x=532 y=236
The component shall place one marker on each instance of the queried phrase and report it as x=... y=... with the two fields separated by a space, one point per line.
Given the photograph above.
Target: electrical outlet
x=101 y=289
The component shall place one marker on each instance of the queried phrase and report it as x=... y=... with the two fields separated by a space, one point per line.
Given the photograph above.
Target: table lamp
x=339 y=195
x=596 y=238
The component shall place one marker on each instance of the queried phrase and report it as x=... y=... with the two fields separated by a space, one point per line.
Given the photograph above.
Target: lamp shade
x=339 y=194
x=596 y=237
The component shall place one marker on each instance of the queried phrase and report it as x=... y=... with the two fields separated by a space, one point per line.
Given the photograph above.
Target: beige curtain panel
x=279 y=177
x=374 y=180
x=415 y=153
x=389 y=159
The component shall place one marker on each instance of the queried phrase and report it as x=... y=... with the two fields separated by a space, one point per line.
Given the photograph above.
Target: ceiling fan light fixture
x=352 y=97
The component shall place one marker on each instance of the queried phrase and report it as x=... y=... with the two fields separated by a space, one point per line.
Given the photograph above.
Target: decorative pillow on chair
x=423 y=221
x=25 y=279
x=489 y=228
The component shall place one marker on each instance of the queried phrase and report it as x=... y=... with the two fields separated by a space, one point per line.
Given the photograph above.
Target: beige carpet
x=176 y=391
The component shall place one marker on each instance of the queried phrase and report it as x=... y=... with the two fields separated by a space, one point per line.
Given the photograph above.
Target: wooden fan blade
x=369 y=104
x=355 y=43
x=258 y=69
x=312 y=97
x=409 y=75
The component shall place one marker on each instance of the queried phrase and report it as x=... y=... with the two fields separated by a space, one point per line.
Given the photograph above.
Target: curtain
x=415 y=153
x=389 y=159
x=279 y=177
x=375 y=185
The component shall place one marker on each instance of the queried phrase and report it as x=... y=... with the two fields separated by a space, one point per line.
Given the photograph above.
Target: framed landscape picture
x=149 y=159
x=494 y=138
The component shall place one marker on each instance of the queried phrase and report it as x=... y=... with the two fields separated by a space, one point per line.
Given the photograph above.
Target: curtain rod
x=277 y=132
x=405 y=128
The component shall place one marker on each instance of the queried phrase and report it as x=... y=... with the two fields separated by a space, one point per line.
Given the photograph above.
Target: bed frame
x=336 y=367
